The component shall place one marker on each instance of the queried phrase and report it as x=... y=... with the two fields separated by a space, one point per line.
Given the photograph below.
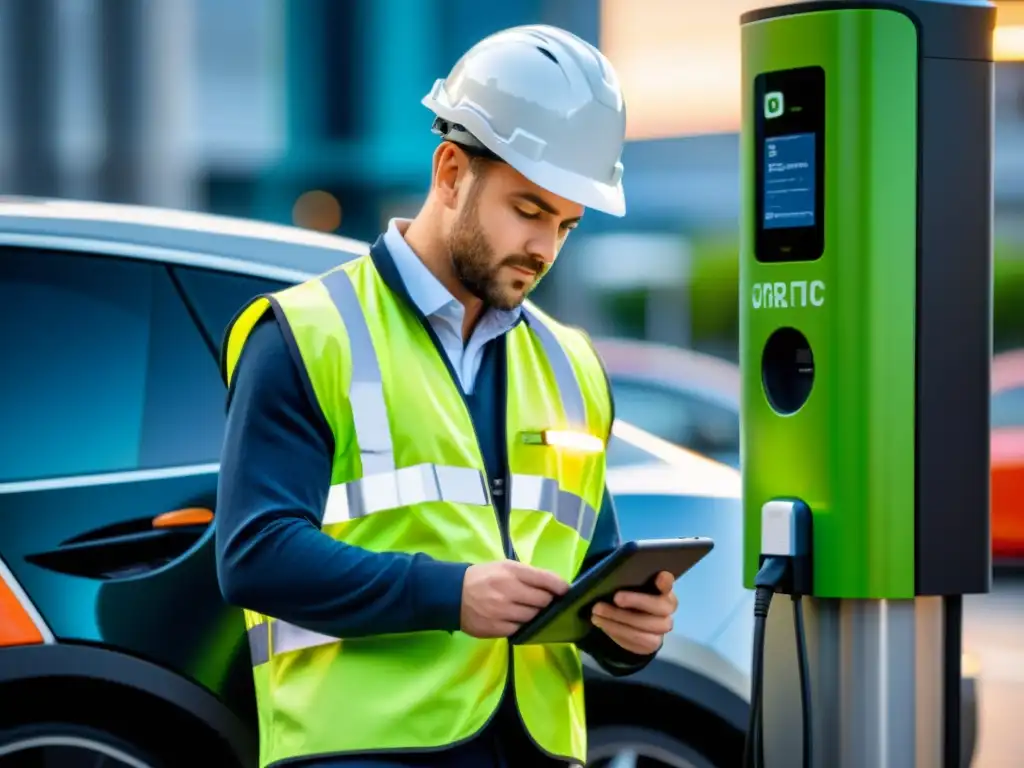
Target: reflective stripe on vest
x=383 y=487
x=282 y=637
x=369 y=409
x=458 y=485
x=565 y=377
x=542 y=494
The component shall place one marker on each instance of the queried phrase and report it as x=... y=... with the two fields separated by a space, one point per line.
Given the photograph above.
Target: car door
x=113 y=413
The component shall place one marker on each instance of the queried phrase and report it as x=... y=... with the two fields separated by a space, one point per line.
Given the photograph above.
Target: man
x=414 y=458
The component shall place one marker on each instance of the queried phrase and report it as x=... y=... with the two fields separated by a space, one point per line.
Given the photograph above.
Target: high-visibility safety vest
x=409 y=476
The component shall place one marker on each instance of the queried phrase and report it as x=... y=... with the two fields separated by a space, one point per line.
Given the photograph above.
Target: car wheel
x=631 y=746
x=64 y=745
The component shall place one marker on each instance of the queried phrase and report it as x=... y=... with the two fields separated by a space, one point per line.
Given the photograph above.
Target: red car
x=1008 y=455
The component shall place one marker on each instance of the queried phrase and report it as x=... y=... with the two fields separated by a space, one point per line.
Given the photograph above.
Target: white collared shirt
x=444 y=312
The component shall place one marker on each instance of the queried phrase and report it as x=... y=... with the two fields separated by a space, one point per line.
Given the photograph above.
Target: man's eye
x=528 y=214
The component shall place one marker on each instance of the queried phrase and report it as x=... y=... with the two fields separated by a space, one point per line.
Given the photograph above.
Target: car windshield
x=623 y=454
x=689 y=419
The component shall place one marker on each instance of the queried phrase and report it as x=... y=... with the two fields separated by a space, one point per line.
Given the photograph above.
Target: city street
x=994 y=633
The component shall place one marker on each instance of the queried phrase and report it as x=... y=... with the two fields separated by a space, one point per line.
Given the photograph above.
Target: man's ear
x=451 y=173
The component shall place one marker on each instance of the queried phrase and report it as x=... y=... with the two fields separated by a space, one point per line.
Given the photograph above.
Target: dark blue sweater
x=274 y=479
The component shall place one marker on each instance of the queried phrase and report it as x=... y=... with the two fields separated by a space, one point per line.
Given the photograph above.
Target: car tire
x=633 y=746
x=68 y=745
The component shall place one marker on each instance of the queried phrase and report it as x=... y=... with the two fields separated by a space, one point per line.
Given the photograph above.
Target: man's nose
x=545 y=250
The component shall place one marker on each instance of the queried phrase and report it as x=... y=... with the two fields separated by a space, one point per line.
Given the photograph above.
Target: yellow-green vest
x=408 y=476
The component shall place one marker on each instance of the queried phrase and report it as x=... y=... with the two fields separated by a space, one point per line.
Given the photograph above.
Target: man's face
x=507 y=234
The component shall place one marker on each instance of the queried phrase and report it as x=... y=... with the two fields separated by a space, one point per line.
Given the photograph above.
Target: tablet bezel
x=589 y=587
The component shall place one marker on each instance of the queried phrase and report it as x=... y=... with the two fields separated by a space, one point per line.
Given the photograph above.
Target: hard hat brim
x=607 y=198
x=582 y=190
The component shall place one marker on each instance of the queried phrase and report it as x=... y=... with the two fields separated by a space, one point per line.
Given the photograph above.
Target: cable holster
x=786 y=565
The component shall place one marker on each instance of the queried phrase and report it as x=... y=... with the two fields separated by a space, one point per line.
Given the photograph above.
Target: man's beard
x=477 y=268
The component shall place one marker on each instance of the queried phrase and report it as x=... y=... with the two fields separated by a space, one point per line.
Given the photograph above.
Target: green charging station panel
x=859 y=271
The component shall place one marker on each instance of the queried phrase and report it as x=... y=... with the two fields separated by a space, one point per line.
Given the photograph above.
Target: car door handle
x=184 y=517
x=129 y=548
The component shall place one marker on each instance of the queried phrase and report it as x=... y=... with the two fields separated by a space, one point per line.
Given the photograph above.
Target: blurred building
x=308 y=111
x=244 y=106
x=350 y=123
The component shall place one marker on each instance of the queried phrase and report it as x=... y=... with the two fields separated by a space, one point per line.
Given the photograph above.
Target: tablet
x=633 y=566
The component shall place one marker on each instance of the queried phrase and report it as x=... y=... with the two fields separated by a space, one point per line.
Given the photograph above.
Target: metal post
x=145 y=73
x=121 y=73
x=31 y=82
x=171 y=157
x=878 y=676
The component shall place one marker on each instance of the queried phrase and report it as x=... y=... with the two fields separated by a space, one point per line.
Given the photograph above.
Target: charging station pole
x=865 y=346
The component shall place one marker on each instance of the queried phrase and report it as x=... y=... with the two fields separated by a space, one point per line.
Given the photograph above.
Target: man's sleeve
x=272 y=556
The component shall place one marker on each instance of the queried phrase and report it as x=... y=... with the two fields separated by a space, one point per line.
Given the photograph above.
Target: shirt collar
x=425 y=290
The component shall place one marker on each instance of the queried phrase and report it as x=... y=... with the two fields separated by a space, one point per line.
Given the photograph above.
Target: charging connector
x=786 y=566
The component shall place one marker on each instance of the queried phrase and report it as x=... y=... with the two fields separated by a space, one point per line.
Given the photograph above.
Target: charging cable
x=786 y=567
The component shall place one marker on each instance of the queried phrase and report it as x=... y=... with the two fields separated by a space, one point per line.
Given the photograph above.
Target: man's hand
x=639 y=622
x=497 y=598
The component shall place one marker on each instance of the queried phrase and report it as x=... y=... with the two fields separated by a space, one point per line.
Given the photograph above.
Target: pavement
x=994 y=633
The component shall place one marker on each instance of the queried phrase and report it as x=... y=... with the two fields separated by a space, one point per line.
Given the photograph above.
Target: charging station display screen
x=789 y=145
x=789 y=181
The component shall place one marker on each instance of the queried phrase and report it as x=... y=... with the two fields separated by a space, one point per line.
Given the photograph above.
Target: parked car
x=1007 y=418
x=114 y=639
x=688 y=398
x=692 y=400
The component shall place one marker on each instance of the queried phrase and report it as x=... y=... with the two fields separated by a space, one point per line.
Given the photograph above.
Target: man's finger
x=658 y=605
x=524 y=594
x=645 y=622
x=546 y=580
x=631 y=639
x=520 y=614
x=665 y=582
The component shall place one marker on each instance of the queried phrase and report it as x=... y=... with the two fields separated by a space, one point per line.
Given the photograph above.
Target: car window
x=218 y=296
x=713 y=588
x=681 y=417
x=623 y=454
x=103 y=369
x=1008 y=408
x=658 y=516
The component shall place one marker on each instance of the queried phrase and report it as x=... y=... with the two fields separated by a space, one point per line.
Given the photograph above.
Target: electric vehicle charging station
x=865 y=346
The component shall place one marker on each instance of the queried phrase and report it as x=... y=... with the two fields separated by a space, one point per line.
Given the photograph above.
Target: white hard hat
x=545 y=102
